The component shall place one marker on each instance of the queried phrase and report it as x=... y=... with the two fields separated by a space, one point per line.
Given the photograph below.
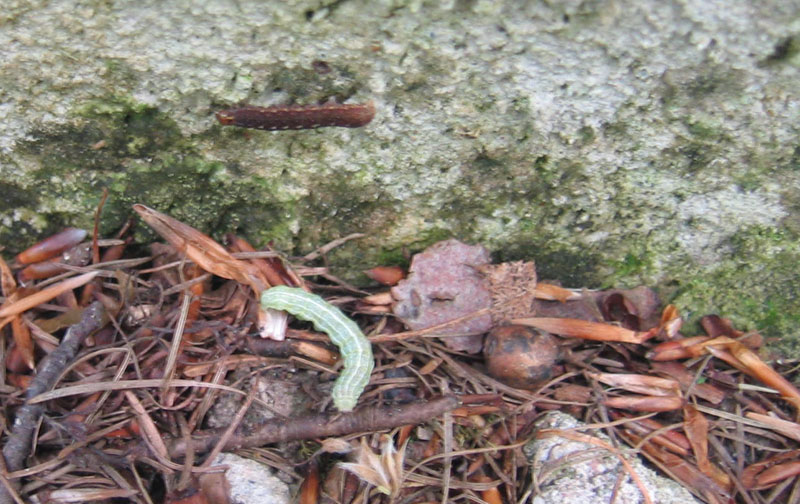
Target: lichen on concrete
x=612 y=142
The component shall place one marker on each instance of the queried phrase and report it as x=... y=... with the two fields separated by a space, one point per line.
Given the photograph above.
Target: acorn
x=521 y=356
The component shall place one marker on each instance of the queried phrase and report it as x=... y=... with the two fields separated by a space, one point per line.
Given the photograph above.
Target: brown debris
x=180 y=373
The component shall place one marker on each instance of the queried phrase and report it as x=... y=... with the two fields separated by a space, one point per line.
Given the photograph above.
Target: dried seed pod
x=52 y=246
x=387 y=275
x=521 y=356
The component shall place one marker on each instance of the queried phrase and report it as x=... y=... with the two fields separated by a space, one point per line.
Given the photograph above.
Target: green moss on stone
x=758 y=287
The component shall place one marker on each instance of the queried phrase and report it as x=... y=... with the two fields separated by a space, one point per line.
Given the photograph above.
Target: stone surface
x=572 y=471
x=616 y=143
x=252 y=482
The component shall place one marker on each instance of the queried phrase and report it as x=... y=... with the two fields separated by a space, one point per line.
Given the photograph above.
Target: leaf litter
x=149 y=366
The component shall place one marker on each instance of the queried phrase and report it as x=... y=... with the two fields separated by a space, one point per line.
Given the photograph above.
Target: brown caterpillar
x=299 y=116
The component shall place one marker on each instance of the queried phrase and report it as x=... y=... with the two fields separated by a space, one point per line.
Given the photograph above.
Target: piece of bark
x=444 y=284
x=512 y=287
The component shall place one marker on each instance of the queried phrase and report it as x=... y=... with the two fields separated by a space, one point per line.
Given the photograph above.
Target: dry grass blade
x=205 y=252
x=90 y=388
x=90 y=494
x=577 y=328
x=148 y=426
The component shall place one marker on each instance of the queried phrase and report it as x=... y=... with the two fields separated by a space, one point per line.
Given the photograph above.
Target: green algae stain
x=757 y=287
x=140 y=156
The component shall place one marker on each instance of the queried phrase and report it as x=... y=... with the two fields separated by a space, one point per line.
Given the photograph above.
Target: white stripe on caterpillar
x=354 y=347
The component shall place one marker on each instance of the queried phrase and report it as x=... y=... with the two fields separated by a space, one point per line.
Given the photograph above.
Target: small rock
x=444 y=284
x=565 y=475
x=252 y=482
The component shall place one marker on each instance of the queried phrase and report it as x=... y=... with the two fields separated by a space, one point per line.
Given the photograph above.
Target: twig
x=17 y=448
x=317 y=426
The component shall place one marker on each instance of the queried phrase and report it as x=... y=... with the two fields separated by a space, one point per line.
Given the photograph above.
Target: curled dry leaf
x=205 y=252
x=384 y=471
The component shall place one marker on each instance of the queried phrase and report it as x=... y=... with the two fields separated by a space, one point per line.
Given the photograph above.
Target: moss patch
x=139 y=155
x=758 y=287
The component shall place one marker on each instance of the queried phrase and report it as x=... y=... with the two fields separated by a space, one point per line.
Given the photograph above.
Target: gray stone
x=616 y=143
x=252 y=482
x=573 y=471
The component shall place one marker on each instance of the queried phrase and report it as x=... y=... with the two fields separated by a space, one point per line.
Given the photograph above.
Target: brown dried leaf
x=785 y=427
x=755 y=367
x=52 y=246
x=552 y=292
x=386 y=275
x=7 y=283
x=645 y=403
x=201 y=249
x=42 y=296
x=640 y=384
x=688 y=474
x=23 y=340
x=686 y=378
x=695 y=425
x=587 y=330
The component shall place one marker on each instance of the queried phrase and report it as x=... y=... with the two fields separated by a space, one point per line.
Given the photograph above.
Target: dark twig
x=316 y=426
x=18 y=446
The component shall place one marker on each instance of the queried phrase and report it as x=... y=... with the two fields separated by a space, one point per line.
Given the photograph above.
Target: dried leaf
x=22 y=338
x=384 y=472
x=695 y=425
x=7 y=283
x=52 y=246
x=645 y=403
x=587 y=330
x=201 y=249
x=788 y=429
x=641 y=384
x=43 y=296
x=552 y=292
x=386 y=275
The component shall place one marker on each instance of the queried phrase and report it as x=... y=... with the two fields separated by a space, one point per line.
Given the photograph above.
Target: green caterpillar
x=345 y=334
